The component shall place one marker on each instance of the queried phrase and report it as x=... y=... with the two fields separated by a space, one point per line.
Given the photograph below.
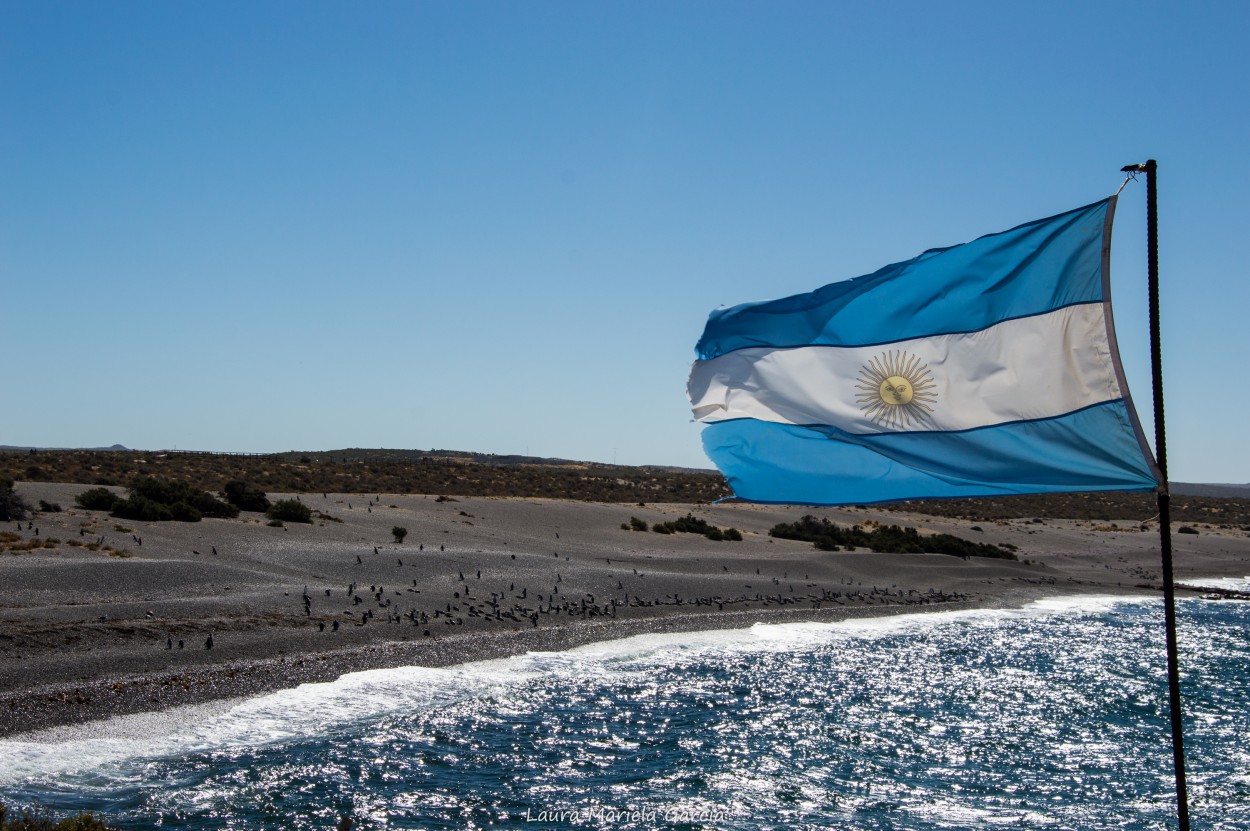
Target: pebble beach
x=116 y=617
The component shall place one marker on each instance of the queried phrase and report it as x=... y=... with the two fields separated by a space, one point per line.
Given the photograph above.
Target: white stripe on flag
x=1031 y=368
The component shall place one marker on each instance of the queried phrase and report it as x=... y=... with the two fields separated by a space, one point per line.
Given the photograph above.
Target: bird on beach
x=358 y=560
x=208 y=642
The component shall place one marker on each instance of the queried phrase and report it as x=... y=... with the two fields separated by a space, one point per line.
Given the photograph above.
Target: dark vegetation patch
x=434 y=472
x=634 y=524
x=690 y=524
x=886 y=539
x=12 y=506
x=1097 y=506
x=245 y=497
x=97 y=499
x=289 y=510
x=157 y=500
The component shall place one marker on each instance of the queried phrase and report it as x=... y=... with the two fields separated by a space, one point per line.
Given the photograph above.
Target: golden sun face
x=896 y=389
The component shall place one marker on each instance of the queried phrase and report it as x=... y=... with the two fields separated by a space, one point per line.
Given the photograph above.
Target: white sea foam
x=1236 y=584
x=311 y=710
x=1084 y=604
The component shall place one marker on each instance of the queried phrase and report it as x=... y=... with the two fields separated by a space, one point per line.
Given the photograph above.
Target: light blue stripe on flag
x=962 y=372
x=961 y=289
x=1090 y=450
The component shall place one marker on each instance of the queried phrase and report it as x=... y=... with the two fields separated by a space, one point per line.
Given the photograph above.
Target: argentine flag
x=984 y=369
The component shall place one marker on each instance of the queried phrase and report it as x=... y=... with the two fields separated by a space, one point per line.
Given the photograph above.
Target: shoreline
x=26 y=712
x=83 y=636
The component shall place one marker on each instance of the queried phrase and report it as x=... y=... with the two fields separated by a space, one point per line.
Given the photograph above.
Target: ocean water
x=1050 y=717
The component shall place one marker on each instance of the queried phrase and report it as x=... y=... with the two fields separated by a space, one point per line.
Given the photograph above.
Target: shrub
x=49 y=507
x=209 y=505
x=12 y=506
x=636 y=524
x=185 y=513
x=156 y=500
x=142 y=509
x=691 y=524
x=170 y=493
x=886 y=539
x=245 y=497
x=97 y=499
x=290 y=510
x=399 y=533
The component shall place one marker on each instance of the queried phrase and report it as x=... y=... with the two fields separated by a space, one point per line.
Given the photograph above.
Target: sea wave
x=316 y=708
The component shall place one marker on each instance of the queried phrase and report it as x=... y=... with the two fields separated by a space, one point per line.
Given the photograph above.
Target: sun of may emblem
x=896 y=389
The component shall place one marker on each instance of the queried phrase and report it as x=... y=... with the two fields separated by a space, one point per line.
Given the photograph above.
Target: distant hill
x=465 y=473
x=1194 y=489
x=358 y=454
x=356 y=470
x=11 y=448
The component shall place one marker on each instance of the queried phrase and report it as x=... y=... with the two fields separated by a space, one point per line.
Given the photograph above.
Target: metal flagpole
x=1165 y=515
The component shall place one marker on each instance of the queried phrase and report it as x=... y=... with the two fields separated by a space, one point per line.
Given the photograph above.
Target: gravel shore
x=120 y=622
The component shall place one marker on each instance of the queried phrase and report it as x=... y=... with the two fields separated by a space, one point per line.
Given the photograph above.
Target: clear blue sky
x=501 y=226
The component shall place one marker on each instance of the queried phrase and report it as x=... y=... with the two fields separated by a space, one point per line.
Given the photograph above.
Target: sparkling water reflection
x=1054 y=717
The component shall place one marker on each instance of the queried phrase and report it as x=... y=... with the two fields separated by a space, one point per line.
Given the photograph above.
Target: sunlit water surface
x=1050 y=717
